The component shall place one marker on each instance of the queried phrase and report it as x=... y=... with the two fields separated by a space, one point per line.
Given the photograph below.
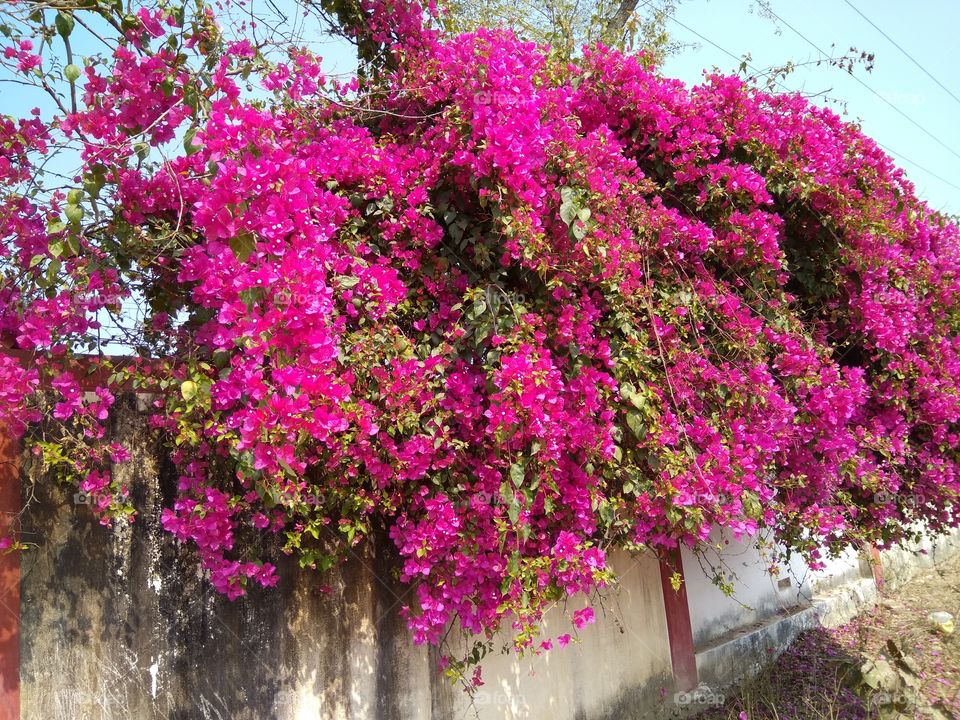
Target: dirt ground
x=890 y=663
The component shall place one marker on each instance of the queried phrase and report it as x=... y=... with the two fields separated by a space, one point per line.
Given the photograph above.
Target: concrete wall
x=903 y=563
x=736 y=635
x=617 y=671
x=118 y=624
x=850 y=567
x=762 y=588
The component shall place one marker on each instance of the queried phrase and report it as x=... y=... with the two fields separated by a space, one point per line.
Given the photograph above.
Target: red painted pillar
x=679 y=629
x=876 y=564
x=9 y=578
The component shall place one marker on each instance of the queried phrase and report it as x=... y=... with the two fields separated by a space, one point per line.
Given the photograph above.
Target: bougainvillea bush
x=507 y=311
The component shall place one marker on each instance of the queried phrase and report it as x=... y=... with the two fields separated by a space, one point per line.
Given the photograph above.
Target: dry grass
x=820 y=677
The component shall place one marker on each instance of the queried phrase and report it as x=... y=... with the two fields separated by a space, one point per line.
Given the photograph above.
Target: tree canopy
x=506 y=309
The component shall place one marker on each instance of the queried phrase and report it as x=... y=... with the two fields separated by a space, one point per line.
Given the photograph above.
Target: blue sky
x=926 y=29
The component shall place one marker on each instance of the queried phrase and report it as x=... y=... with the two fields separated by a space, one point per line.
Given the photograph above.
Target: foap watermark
x=98 y=499
x=274 y=495
x=468 y=500
x=101 y=298
x=498 y=98
x=490 y=698
x=299 y=298
x=908 y=500
x=290 y=700
x=883 y=699
x=702 y=696
x=277 y=496
x=496 y=299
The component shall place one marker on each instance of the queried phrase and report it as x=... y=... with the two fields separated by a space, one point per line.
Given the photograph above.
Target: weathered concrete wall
x=850 y=567
x=9 y=578
x=764 y=590
x=904 y=562
x=599 y=679
x=735 y=646
x=118 y=624
x=758 y=593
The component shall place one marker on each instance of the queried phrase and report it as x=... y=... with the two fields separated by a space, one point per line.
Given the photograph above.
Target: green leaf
x=251 y=296
x=190 y=97
x=93 y=184
x=129 y=22
x=458 y=228
x=751 y=504
x=188 y=145
x=242 y=245
x=188 y=389
x=52 y=270
x=74 y=214
x=516 y=474
x=513 y=510
x=636 y=425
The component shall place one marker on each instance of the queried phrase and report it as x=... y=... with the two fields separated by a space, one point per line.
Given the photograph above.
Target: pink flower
x=582 y=618
x=511 y=308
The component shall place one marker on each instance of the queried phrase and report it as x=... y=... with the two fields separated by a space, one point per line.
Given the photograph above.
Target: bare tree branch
x=617 y=21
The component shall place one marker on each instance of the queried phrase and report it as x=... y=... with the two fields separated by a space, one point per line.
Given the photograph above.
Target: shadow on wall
x=761 y=589
x=903 y=563
x=117 y=623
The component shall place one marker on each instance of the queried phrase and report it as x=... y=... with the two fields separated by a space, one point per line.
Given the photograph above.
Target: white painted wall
x=850 y=567
x=618 y=667
x=902 y=563
x=757 y=595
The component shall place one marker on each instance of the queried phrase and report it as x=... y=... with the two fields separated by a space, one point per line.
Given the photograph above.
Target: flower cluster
x=504 y=313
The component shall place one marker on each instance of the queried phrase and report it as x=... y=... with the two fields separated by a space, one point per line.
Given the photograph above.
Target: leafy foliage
x=509 y=310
